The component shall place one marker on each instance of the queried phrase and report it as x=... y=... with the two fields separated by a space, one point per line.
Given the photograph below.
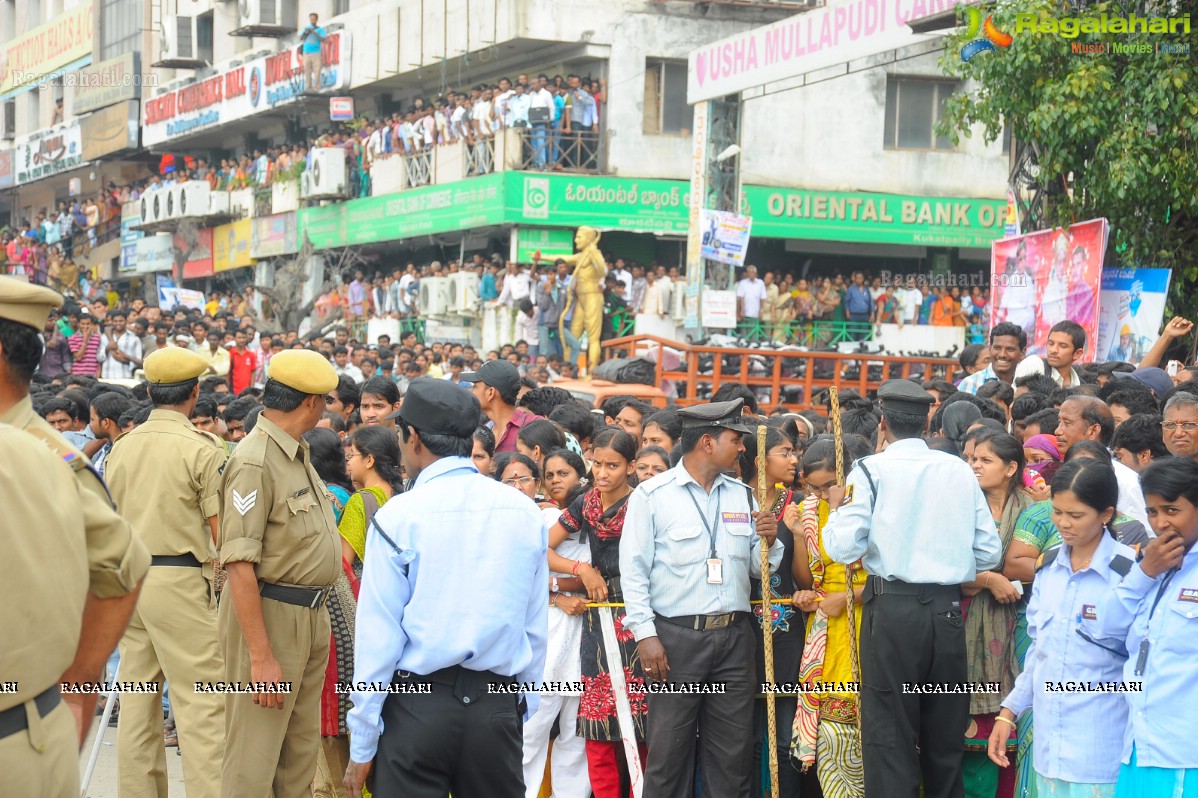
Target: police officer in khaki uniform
x=280 y=546
x=166 y=476
x=60 y=625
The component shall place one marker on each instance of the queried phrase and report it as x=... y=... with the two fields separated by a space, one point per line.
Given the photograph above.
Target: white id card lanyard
x=715 y=567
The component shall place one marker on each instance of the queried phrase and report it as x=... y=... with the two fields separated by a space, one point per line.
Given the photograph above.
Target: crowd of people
x=1001 y=542
x=773 y=304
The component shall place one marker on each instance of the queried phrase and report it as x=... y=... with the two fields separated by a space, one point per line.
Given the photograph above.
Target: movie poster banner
x=1133 y=310
x=1049 y=276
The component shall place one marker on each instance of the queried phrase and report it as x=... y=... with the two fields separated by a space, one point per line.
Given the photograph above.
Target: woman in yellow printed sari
x=825 y=726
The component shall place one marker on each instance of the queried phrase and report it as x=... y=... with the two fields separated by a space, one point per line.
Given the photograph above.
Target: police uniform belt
x=14 y=719
x=705 y=623
x=310 y=597
x=877 y=586
x=178 y=560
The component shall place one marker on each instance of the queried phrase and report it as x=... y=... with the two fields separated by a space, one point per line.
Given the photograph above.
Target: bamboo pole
x=849 y=606
x=767 y=618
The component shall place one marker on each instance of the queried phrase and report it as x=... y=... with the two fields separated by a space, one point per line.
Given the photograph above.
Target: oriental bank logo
x=536 y=198
x=982 y=36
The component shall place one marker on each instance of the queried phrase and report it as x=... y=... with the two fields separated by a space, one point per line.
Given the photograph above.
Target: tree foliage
x=1117 y=133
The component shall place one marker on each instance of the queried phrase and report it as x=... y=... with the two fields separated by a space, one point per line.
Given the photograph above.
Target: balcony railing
x=480 y=157
x=567 y=151
x=419 y=169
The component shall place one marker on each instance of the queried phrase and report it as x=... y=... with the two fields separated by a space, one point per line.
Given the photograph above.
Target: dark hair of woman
x=618 y=441
x=821 y=456
x=505 y=459
x=487 y=438
x=1006 y=447
x=381 y=444
x=1171 y=478
x=328 y=457
x=542 y=433
x=1089 y=449
x=575 y=462
x=748 y=458
x=1092 y=481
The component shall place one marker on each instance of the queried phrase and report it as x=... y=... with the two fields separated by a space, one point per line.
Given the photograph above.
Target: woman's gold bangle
x=1001 y=719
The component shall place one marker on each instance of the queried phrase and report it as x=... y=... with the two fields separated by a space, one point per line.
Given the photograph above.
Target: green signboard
x=605 y=203
x=536 y=202
x=550 y=242
x=463 y=205
x=874 y=218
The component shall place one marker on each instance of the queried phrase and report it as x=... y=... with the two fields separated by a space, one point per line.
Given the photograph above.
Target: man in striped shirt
x=121 y=348
x=85 y=346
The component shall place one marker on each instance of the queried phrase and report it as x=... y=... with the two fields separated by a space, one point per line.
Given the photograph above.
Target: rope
x=778 y=600
x=767 y=618
x=849 y=608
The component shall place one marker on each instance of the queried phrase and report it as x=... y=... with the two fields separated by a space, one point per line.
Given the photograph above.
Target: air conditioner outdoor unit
x=434 y=296
x=168 y=202
x=678 y=302
x=267 y=18
x=151 y=206
x=218 y=203
x=326 y=176
x=178 y=43
x=194 y=198
x=463 y=293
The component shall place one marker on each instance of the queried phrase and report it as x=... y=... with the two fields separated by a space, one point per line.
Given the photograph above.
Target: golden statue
x=587 y=293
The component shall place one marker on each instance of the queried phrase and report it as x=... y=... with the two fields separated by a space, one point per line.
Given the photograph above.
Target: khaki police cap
x=904 y=396
x=304 y=370
x=26 y=303
x=173 y=365
x=727 y=415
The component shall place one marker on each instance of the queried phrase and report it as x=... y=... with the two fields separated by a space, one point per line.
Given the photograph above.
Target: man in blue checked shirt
x=417 y=627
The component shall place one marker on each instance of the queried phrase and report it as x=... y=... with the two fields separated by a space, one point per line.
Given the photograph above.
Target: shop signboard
x=231 y=245
x=241 y=91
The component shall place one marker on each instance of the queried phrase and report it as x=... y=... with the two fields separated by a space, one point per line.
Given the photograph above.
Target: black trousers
x=722 y=723
x=909 y=736
x=459 y=739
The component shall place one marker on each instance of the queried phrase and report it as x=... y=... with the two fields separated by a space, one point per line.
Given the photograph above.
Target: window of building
x=913 y=107
x=204 y=26
x=666 y=110
x=120 y=27
x=340 y=7
x=33 y=14
x=9 y=128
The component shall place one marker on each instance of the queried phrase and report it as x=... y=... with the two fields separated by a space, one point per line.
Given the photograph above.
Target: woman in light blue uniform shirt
x=1067 y=676
x=1156 y=610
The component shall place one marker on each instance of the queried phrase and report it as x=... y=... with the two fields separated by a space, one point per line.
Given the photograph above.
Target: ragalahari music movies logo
x=982 y=37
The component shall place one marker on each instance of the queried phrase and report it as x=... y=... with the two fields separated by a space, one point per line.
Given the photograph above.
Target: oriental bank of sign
x=241 y=91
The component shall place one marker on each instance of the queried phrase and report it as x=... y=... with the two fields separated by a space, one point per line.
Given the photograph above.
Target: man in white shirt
x=750 y=293
x=482 y=114
x=343 y=367
x=912 y=299
x=540 y=99
x=500 y=101
x=374 y=143
x=516 y=108
x=121 y=350
x=625 y=277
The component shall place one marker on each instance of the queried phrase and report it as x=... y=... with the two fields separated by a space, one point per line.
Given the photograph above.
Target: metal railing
x=480 y=157
x=358 y=327
x=419 y=168
x=787 y=377
x=569 y=151
x=810 y=334
x=263 y=201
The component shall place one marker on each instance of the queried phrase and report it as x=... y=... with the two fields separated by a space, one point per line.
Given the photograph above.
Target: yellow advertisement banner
x=43 y=53
x=231 y=245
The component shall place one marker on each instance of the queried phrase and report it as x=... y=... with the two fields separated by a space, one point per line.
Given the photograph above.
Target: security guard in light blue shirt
x=687 y=555
x=427 y=651
x=921 y=526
